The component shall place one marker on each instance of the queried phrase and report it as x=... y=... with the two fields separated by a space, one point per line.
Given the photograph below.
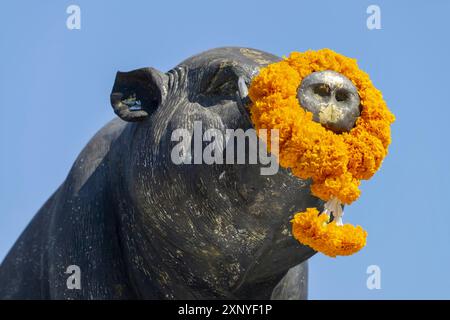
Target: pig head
x=138 y=225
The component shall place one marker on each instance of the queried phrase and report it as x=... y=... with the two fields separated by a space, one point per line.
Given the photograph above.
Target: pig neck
x=163 y=261
x=167 y=246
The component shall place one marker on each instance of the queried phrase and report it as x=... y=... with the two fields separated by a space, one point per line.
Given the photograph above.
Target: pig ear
x=138 y=93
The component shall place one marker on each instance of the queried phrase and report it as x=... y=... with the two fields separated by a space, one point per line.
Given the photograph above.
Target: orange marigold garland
x=313 y=230
x=334 y=162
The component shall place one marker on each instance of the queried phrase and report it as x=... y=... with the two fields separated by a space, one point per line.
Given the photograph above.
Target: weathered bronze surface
x=139 y=226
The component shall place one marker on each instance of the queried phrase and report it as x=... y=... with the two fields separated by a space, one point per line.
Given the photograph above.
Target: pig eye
x=226 y=89
x=221 y=82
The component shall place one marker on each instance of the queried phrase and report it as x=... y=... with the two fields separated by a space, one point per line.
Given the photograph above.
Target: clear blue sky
x=55 y=85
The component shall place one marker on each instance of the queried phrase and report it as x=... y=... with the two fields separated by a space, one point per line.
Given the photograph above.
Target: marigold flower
x=315 y=231
x=336 y=163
